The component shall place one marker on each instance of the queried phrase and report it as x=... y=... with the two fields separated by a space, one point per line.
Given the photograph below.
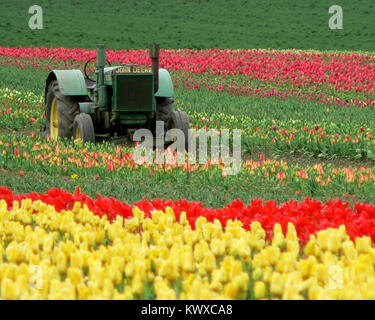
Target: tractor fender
x=71 y=82
x=165 y=85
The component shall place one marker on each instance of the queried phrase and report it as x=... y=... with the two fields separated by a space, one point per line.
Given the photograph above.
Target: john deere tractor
x=117 y=100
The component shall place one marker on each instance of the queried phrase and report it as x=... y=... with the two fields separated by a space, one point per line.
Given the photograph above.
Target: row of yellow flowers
x=76 y=254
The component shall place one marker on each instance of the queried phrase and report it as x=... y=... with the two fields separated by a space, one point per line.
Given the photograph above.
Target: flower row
x=329 y=78
x=76 y=254
x=108 y=161
x=297 y=67
x=308 y=216
x=356 y=140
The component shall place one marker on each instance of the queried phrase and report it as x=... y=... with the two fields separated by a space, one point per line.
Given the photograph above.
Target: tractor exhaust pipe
x=101 y=62
x=101 y=53
x=154 y=55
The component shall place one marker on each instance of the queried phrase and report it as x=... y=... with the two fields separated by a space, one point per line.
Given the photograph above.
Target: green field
x=209 y=187
x=190 y=24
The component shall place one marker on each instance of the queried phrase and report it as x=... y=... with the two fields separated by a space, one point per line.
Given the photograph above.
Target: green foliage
x=222 y=111
x=191 y=24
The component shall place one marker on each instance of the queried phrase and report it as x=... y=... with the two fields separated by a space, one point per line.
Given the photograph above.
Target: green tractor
x=117 y=101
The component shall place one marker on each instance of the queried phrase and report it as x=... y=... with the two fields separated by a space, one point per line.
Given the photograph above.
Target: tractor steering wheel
x=85 y=68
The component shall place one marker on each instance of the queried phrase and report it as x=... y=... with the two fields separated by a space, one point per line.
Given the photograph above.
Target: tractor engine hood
x=166 y=88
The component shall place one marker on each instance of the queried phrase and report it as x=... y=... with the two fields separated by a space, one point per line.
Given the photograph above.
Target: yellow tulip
x=349 y=250
x=83 y=291
x=291 y=233
x=278 y=241
x=233 y=267
x=287 y=262
x=258 y=244
x=231 y=290
x=312 y=248
x=15 y=252
x=209 y=262
x=108 y=289
x=277 y=284
x=257 y=274
x=259 y=290
x=363 y=245
x=47 y=244
x=8 y=289
x=75 y=275
x=219 y=275
x=216 y=286
x=137 y=285
x=293 y=246
x=200 y=222
x=320 y=272
x=187 y=260
x=242 y=281
x=183 y=219
x=199 y=250
x=272 y=254
x=240 y=248
x=291 y=293
x=218 y=247
x=61 y=262
x=77 y=260
x=169 y=270
x=305 y=267
x=190 y=236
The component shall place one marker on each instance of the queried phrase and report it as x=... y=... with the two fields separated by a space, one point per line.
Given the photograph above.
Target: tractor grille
x=134 y=92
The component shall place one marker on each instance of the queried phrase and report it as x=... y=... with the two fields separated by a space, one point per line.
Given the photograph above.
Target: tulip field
x=85 y=221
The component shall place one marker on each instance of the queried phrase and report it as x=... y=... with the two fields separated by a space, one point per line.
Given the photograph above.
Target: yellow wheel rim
x=78 y=137
x=54 y=120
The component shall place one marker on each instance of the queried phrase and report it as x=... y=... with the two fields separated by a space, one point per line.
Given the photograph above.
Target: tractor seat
x=90 y=84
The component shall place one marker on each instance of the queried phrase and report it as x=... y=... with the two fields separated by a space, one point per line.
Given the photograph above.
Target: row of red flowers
x=353 y=72
x=308 y=216
x=343 y=79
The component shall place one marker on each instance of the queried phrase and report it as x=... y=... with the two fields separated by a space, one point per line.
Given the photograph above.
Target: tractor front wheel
x=60 y=113
x=83 y=128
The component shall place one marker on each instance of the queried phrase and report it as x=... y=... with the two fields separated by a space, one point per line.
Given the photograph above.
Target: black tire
x=86 y=128
x=180 y=121
x=67 y=107
x=164 y=107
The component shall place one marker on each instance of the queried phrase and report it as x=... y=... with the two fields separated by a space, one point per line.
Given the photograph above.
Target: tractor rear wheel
x=60 y=112
x=164 y=107
x=180 y=120
x=83 y=128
